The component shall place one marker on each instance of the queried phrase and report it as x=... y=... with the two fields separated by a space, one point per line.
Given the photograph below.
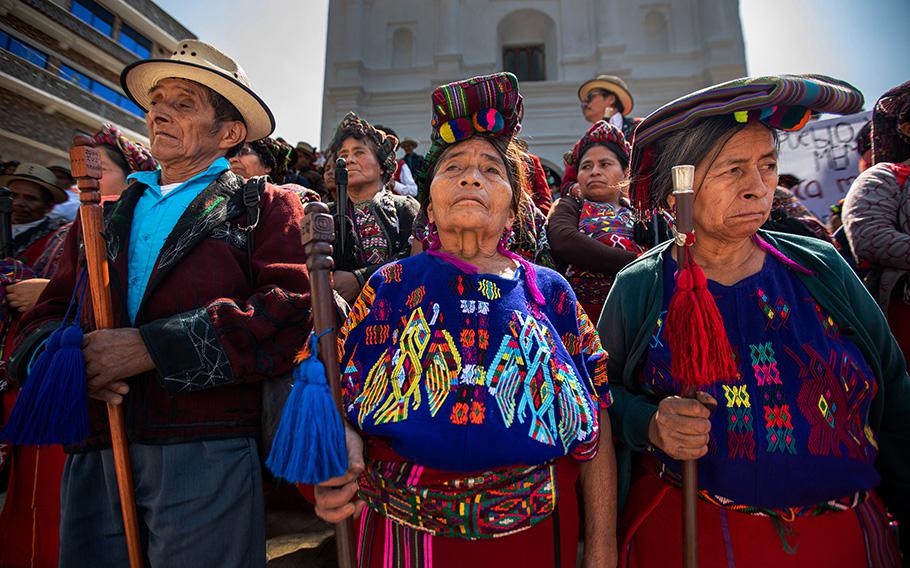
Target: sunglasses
x=595 y=93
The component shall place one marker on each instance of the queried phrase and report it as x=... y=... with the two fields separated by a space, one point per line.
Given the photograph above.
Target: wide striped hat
x=784 y=102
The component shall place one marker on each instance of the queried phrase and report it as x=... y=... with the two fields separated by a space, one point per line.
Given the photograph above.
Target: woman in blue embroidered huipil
x=474 y=377
x=802 y=442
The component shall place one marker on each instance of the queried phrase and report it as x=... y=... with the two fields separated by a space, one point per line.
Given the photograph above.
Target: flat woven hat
x=784 y=102
x=200 y=62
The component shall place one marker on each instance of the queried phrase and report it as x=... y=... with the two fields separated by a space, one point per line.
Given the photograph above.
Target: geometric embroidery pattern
x=778 y=424
x=658 y=330
x=831 y=397
x=764 y=364
x=740 y=438
x=778 y=313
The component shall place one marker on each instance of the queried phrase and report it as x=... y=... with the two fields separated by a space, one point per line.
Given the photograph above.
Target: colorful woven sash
x=488 y=505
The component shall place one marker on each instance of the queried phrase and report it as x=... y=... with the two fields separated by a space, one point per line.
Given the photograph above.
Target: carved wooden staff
x=86 y=167
x=318 y=236
x=683 y=181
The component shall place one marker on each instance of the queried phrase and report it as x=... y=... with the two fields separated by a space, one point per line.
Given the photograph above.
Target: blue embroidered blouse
x=462 y=372
x=792 y=429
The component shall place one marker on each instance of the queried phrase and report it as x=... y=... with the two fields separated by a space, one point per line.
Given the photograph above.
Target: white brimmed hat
x=611 y=84
x=200 y=62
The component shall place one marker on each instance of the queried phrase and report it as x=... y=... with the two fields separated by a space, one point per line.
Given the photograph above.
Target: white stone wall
x=384 y=57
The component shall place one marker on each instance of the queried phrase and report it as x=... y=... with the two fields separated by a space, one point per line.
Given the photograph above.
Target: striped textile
x=783 y=102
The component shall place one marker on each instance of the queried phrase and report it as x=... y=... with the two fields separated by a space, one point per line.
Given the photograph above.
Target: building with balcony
x=60 y=63
x=383 y=59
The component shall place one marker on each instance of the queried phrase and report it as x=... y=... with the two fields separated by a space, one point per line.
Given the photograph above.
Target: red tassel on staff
x=700 y=350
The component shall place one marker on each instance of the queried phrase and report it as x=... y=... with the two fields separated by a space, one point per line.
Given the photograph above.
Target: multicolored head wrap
x=136 y=155
x=489 y=105
x=601 y=133
x=784 y=102
x=274 y=154
x=892 y=109
x=352 y=126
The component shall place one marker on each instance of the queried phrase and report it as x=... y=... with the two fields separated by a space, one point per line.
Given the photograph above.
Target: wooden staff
x=6 y=223
x=341 y=201
x=318 y=236
x=683 y=181
x=86 y=167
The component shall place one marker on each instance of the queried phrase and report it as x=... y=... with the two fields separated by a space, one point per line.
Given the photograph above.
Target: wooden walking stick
x=318 y=236
x=86 y=168
x=683 y=180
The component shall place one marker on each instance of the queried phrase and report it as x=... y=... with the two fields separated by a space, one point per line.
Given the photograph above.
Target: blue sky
x=281 y=45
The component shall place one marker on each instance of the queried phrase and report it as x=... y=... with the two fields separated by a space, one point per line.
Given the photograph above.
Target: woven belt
x=488 y=505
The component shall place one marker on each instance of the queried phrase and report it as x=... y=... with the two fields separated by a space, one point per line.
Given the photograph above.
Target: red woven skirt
x=30 y=520
x=551 y=543
x=651 y=534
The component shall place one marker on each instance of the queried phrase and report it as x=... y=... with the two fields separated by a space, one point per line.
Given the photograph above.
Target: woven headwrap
x=784 y=102
x=273 y=154
x=136 y=155
x=489 y=105
x=892 y=109
x=352 y=126
x=601 y=133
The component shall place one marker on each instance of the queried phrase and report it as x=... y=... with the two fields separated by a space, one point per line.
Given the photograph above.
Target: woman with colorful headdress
x=474 y=377
x=377 y=223
x=800 y=423
x=600 y=213
x=876 y=212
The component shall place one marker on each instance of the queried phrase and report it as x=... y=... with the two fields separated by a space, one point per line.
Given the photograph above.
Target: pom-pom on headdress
x=489 y=105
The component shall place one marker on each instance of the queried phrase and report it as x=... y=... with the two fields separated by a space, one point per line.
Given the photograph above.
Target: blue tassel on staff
x=52 y=407
x=309 y=446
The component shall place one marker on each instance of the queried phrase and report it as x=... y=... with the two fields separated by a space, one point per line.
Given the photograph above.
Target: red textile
x=30 y=520
x=651 y=534
x=530 y=548
x=540 y=190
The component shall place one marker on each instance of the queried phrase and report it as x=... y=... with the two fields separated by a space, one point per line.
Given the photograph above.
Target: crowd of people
x=511 y=377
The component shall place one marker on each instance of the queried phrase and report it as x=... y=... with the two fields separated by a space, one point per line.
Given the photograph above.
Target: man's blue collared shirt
x=155 y=217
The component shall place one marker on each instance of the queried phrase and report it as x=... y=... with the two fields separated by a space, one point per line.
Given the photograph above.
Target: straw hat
x=611 y=84
x=200 y=62
x=38 y=175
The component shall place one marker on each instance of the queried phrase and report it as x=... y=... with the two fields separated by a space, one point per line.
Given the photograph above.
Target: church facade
x=384 y=57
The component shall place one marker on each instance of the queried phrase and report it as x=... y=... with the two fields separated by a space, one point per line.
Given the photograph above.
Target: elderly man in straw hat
x=211 y=295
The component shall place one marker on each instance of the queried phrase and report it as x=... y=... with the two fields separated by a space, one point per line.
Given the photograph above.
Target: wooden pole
x=86 y=167
x=6 y=223
x=318 y=236
x=683 y=181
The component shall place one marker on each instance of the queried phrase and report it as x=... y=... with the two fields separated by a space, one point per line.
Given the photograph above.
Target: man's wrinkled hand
x=112 y=355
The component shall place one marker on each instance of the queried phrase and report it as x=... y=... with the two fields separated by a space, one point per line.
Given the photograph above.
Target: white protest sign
x=822 y=155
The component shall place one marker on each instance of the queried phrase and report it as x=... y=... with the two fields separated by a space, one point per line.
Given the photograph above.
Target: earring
x=506 y=239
